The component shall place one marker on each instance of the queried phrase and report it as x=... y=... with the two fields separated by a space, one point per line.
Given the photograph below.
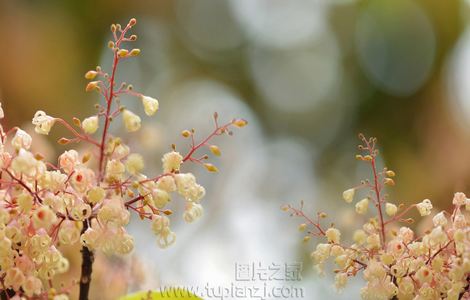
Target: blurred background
x=308 y=75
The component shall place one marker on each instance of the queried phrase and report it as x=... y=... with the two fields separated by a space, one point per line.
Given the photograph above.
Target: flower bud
x=132 y=121
x=90 y=124
x=150 y=105
x=92 y=85
x=122 y=52
x=21 y=140
x=362 y=206
x=134 y=163
x=240 y=123
x=134 y=52
x=215 y=150
x=43 y=122
x=211 y=168
x=391 y=209
x=90 y=75
x=348 y=195
x=424 y=207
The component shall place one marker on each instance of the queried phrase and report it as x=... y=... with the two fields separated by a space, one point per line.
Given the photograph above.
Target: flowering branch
x=44 y=205
x=435 y=265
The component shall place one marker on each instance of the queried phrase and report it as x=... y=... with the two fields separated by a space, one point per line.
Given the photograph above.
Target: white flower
x=96 y=194
x=161 y=227
x=359 y=236
x=459 y=221
x=192 y=212
x=124 y=243
x=391 y=209
x=68 y=160
x=43 y=217
x=43 y=122
x=424 y=207
x=21 y=140
x=167 y=183
x=134 y=163
x=115 y=169
x=160 y=198
x=2 y=114
x=113 y=212
x=14 y=278
x=333 y=235
x=91 y=238
x=436 y=237
x=159 y=223
x=406 y=234
x=188 y=188
x=321 y=253
x=172 y=162
x=341 y=279
x=69 y=233
x=348 y=195
x=90 y=124
x=373 y=241
x=459 y=199
x=131 y=120
x=150 y=105
x=24 y=163
x=32 y=286
x=362 y=206
x=439 y=219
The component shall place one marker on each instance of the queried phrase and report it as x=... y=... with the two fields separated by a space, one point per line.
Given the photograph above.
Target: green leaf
x=168 y=294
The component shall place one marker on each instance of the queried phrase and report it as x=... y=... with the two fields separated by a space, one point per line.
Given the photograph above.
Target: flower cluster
x=87 y=198
x=396 y=263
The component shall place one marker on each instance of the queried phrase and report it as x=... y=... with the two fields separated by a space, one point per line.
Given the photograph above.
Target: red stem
x=217 y=131
x=379 y=202
x=109 y=102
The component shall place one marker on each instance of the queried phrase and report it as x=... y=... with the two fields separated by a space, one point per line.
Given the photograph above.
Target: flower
x=131 y=121
x=362 y=206
x=172 y=162
x=24 y=163
x=161 y=227
x=134 y=163
x=348 y=195
x=68 y=160
x=341 y=279
x=406 y=234
x=90 y=124
x=43 y=122
x=167 y=183
x=192 y=212
x=333 y=235
x=21 y=140
x=96 y=194
x=459 y=199
x=424 y=207
x=188 y=188
x=391 y=209
x=32 y=286
x=359 y=236
x=440 y=219
x=115 y=169
x=14 y=278
x=150 y=105
x=2 y=114
x=69 y=233
x=160 y=198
